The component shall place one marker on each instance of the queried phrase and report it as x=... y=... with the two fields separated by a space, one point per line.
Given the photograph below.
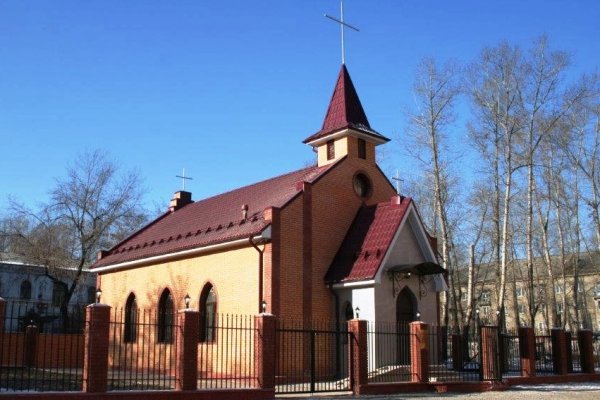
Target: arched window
x=208 y=314
x=25 y=293
x=165 y=317
x=130 y=328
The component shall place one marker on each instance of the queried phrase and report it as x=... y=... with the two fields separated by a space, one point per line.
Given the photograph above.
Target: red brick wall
x=52 y=350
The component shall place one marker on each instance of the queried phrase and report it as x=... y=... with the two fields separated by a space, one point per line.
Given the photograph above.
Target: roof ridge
x=313 y=167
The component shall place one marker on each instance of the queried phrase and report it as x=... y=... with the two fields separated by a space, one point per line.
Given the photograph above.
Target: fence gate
x=312 y=360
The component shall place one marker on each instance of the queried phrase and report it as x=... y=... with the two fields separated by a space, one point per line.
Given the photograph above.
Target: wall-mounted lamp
x=187 y=299
x=418 y=315
x=98 y=294
x=263 y=306
x=356 y=312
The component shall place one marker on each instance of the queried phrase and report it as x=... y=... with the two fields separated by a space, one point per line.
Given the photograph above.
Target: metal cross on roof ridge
x=398 y=180
x=183 y=178
x=342 y=25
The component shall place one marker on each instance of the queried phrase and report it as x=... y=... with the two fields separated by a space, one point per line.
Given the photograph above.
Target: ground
x=580 y=391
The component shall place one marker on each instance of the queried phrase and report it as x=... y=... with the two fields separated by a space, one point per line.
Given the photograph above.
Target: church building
x=322 y=243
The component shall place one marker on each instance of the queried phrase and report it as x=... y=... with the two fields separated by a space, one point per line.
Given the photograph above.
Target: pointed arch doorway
x=406 y=310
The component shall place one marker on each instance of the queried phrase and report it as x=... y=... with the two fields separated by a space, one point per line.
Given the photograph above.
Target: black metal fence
x=142 y=351
x=453 y=357
x=544 y=363
x=39 y=353
x=48 y=318
x=596 y=347
x=388 y=352
x=312 y=358
x=226 y=352
x=510 y=360
x=573 y=352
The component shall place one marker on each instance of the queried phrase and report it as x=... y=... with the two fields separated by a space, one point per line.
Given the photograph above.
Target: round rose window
x=362 y=185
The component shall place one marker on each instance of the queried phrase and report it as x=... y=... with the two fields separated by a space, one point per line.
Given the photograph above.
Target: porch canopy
x=424 y=268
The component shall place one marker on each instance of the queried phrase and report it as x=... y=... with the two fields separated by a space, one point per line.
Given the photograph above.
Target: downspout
x=260 y=274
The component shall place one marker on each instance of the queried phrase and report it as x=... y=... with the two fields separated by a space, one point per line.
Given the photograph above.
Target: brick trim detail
x=307 y=253
x=275 y=261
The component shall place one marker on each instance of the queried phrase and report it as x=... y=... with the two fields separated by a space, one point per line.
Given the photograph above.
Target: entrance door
x=405 y=313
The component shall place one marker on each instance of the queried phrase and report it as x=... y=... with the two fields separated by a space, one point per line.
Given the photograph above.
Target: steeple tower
x=346 y=129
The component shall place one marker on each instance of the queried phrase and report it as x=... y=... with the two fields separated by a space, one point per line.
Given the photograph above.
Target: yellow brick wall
x=233 y=273
x=347 y=145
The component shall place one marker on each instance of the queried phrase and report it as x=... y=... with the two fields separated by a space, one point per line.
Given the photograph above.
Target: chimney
x=244 y=211
x=180 y=199
x=396 y=200
x=101 y=254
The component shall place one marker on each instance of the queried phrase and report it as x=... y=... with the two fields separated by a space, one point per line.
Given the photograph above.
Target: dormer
x=346 y=130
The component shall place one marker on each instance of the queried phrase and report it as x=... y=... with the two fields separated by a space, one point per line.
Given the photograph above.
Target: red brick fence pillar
x=358 y=354
x=264 y=347
x=490 y=368
x=187 y=349
x=527 y=351
x=419 y=352
x=586 y=351
x=32 y=334
x=95 y=359
x=559 y=351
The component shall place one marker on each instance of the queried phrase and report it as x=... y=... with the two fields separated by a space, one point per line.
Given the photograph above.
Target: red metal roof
x=214 y=220
x=368 y=240
x=345 y=110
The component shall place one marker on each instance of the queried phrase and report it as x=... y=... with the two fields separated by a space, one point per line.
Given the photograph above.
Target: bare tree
x=93 y=207
x=436 y=90
x=495 y=88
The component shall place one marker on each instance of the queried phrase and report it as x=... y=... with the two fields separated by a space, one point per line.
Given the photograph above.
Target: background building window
x=91 y=295
x=25 y=292
x=130 y=328
x=165 y=317
x=208 y=314
x=519 y=291
x=59 y=293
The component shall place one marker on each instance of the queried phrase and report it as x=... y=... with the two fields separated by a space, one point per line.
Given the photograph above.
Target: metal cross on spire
x=398 y=180
x=342 y=25
x=183 y=178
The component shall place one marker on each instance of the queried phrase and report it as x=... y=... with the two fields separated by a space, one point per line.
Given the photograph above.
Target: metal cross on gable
x=183 y=178
x=398 y=180
x=343 y=25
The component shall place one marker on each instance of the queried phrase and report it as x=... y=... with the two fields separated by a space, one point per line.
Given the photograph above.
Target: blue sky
x=229 y=89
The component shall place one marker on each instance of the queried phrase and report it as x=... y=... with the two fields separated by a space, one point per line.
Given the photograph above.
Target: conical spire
x=345 y=110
